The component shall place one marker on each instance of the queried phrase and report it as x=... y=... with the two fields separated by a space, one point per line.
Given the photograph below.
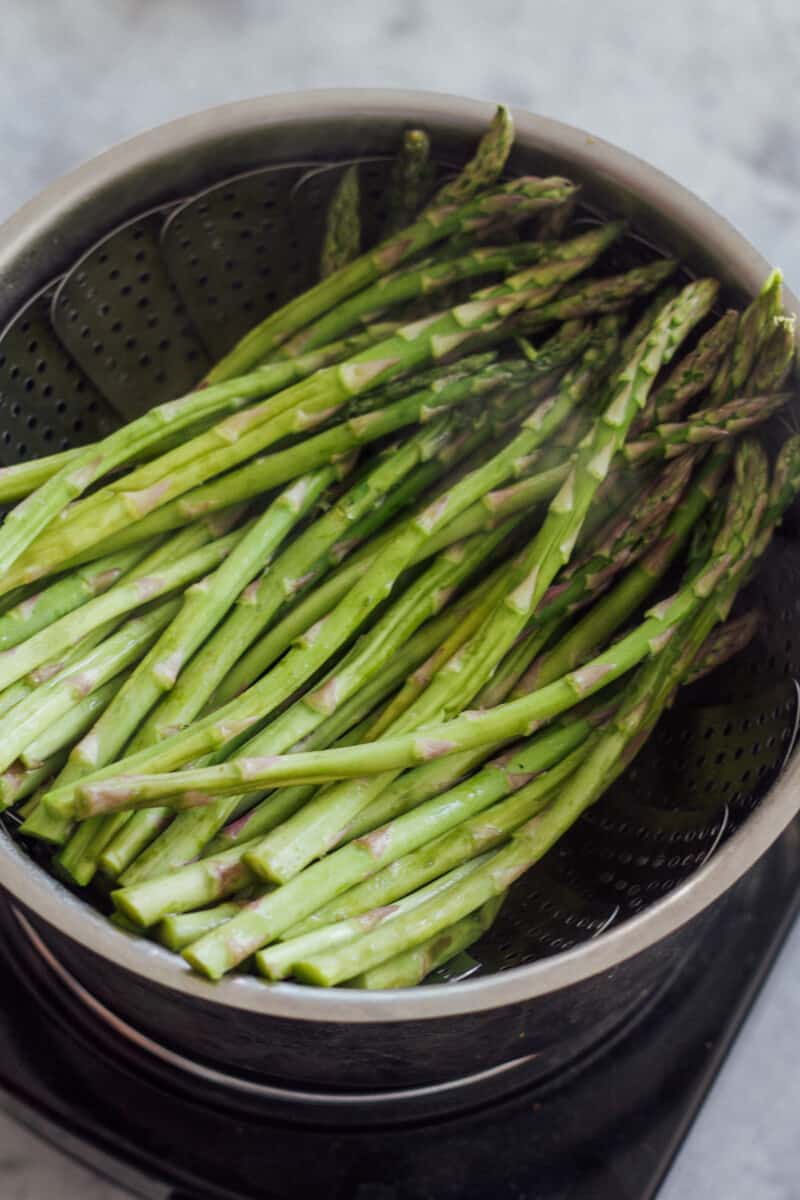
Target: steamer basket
x=120 y=284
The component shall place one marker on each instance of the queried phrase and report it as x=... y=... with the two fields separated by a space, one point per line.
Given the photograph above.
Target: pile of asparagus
x=307 y=667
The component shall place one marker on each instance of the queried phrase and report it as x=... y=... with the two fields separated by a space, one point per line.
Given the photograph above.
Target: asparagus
x=708 y=425
x=132 y=592
x=597 y=296
x=289 y=573
x=429 y=277
x=181 y=929
x=411 y=181
x=506 y=721
x=30 y=718
x=513 y=201
x=65 y=732
x=650 y=692
x=19 y=782
x=348 y=720
x=200 y=677
x=484 y=167
x=282 y=851
x=43 y=608
x=626 y=598
x=20 y=479
x=276 y=961
x=753 y=328
x=241 y=437
x=554 y=222
x=342 y=239
x=776 y=359
x=201 y=608
x=210 y=733
x=692 y=374
x=724 y=643
x=191 y=830
x=210 y=878
x=411 y=967
x=30 y=517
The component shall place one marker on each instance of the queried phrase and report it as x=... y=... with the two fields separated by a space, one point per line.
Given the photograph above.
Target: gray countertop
x=709 y=92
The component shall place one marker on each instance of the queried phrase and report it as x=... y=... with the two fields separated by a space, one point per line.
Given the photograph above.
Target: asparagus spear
x=181 y=929
x=19 y=782
x=724 y=643
x=776 y=359
x=342 y=239
x=191 y=831
x=753 y=328
x=708 y=425
x=207 y=880
x=411 y=181
x=650 y=692
x=28 y=720
x=276 y=961
x=411 y=967
x=43 y=608
x=65 y=732
x=429 y=277
x=629 y=594
x=237 y=439
x=692 y=374
x=469 y=730
x=132 y=592
x=289 y=573
x=513 y=201
x=484 y=167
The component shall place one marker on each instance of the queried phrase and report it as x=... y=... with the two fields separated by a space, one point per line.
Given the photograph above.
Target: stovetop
x=606 y=1129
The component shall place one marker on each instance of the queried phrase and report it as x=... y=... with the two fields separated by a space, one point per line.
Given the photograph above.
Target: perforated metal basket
x=119 y=286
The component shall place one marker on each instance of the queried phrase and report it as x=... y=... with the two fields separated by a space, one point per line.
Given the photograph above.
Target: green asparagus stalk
x=29 y=719
x=431 y=277
x=597 y=296
x=724 y=644
x=411 y=181
x=65 y=732
x=465 y=732
x=707 y=425
x=181 y=929
x=276 y=961
x=241 y=437
x=411 y=967
x=132 y=592
x=650 y=692
x=484 y=168
x=342 y=240
x=630 y=593
x=19 y=782
x=514 y=201
x=191 y=831
x=753 y=328
x=775 y=361
x=42 y=609
x=205 y=881
x=692 y=374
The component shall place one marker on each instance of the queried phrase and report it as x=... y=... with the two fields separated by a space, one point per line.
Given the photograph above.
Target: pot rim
x=49 y=900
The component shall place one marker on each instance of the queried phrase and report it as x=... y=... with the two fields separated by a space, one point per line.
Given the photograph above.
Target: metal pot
x=535 y=997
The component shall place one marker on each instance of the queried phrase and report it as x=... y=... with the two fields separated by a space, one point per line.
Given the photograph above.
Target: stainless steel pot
x=656 y=875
